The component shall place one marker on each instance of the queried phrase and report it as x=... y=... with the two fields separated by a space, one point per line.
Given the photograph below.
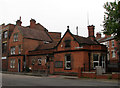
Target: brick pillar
x=79 y=72
x=51 y=67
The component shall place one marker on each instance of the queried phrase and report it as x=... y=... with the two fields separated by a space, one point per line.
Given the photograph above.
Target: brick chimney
x=32 y=23
x=18 y=22
x=98 y=35
x=91 y=32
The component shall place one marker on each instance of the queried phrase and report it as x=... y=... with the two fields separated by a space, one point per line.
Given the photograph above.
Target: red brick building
x=35 y=48
x=113 y=48
x=74 y=52
x=42 y=57
x=6 y=32
x=22 y=40
x=69 y=54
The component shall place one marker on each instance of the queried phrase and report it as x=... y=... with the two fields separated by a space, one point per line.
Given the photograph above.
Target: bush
x=110 y=77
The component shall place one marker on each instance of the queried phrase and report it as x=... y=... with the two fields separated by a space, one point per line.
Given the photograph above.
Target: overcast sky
x=55 y=15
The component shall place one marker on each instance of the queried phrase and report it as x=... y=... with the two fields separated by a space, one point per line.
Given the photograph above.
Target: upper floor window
x=39 y=61
x=5 y=34
x=68 y=61
x=67 y=43
x=15 y=37
x=108 y=44
x=112 y=43
x=4 y=47
x=19 y=50
x=12 y=50
x=46 y=42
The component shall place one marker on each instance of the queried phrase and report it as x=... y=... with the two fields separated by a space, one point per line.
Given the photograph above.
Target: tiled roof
x=46 y=46
x=55 y=37
x=105 y=39
x=34 y=34
x=84 y=40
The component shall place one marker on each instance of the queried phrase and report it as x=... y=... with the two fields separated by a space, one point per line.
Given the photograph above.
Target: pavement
x=40 y=75
x=52 y=80
x=54 y=76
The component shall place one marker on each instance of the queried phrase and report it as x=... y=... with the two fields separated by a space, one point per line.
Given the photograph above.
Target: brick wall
x=16 y=63
x=95 y=76
x=4 y=64
x=78 y=59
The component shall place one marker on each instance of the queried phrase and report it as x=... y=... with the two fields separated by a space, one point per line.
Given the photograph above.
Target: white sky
x=55 y=15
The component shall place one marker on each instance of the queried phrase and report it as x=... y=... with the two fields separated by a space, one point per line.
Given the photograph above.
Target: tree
x=112 y=19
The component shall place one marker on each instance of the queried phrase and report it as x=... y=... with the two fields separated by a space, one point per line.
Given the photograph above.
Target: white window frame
x=113 y=54
x=103 y=61
x=67 y=62
x=13 y=50
x=15 y=37
x=39 y=63
x=108 y=56
x=5 y=34
x=19 y=50
x=112 y=42
x=12 y=63
x=33 y=61
x=94 y=67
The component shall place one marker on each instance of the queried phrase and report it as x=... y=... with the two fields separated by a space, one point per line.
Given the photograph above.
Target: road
x=24 y=80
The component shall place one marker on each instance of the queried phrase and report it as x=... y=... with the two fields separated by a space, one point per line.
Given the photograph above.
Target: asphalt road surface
x=24 y=80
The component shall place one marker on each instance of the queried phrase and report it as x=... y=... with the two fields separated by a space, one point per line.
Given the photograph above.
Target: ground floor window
x=103 y=60
x=12 y=63
x=113 y=53
x=68 y=61
x=95 y=60
x=39 y=61
x=58 y=64
x=33 y=61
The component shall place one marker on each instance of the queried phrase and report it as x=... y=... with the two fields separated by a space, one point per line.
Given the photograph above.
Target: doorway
x=19 y=65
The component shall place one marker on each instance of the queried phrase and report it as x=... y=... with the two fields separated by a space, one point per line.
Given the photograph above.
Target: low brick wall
x=88 y=74
x=95 y=76
x=116 y=75
x=66 y=73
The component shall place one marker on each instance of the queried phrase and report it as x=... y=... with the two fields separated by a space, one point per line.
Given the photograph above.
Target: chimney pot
x=32 y=23
x=18 y=22
x=98 y=35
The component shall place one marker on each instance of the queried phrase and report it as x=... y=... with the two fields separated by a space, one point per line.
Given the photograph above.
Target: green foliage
x=110 y=77
x=112 y=19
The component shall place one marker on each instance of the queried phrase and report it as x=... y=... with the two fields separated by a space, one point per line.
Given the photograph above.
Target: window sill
x=67 y=69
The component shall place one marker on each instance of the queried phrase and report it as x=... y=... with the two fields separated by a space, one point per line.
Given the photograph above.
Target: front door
x=18 y=65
